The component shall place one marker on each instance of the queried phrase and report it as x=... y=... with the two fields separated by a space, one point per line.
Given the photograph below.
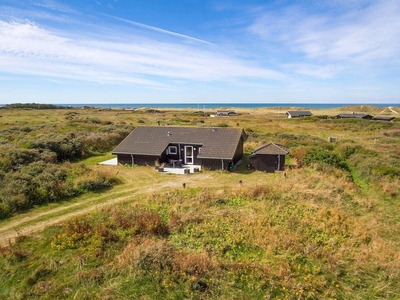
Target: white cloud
x=27 y=48
x=54 y=5
x=320 y=71
x=152 y=28
x=368 y=34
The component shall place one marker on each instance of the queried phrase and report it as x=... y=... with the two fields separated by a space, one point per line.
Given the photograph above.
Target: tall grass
x=306 y=237
x=321 y=232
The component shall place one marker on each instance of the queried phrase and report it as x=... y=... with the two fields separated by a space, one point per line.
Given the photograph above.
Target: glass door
x=189 y=155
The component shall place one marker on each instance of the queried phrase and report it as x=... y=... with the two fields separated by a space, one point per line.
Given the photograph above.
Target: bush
x=15 y=158
x=96 y=181
x=347 y=150
x=5 y=210
x=94 y=184
x=103 y=142
x=299 y=155
x=323 y=156
x=66 y=146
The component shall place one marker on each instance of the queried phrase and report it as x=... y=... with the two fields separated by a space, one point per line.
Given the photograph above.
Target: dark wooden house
x=355 y=116
x=298 y=114
x=269 y=157
x=213 y=148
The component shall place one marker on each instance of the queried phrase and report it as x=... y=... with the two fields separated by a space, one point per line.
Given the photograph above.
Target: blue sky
x=192 y=51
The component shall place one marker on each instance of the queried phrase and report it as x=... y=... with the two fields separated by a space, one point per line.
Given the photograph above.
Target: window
x=172 y=150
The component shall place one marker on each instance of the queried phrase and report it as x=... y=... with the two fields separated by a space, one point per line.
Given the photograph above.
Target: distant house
x=353 y=115
x=226 y=113
x=153 y=111
x=212 y=148
x=298 y=113
x=269 y=157
x=383 y=118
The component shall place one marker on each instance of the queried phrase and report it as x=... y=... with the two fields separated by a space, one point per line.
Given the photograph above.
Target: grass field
x=328 y=230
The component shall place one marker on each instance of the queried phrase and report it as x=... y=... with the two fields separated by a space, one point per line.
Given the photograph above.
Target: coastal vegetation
x=329 y=229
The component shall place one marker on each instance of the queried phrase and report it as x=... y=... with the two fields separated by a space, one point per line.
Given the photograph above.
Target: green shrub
x=66 y=146
x=5 y=210
x=324 y=156
x=95 y=184
x=347 y=150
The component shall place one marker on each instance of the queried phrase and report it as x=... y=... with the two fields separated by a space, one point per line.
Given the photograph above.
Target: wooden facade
x=269 y=158
x=211 y=148
x=268 y=162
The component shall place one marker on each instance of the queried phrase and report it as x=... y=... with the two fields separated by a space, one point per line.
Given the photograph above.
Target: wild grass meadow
x=329 y=229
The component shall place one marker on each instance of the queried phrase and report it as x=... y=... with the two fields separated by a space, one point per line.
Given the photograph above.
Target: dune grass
x=277 y=238
x=324 y=231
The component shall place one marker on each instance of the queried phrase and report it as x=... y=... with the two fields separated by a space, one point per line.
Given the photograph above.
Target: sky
x=199 y=51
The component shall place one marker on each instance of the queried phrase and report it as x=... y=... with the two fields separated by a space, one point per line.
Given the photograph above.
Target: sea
x=224 y=105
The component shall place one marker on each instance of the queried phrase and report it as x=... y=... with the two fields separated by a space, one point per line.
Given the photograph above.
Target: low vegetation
x=35 y=160
x=329 y=229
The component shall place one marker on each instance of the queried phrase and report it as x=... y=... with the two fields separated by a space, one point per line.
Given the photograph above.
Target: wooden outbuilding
x=269 y=157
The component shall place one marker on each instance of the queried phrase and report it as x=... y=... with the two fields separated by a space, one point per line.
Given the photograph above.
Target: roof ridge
x=262 y=147
x=281 y=147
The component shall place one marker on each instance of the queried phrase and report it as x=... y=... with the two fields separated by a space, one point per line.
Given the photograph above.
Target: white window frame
x=173 y=150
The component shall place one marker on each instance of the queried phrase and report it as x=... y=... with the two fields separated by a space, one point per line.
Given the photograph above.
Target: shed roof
x=215 y=142
x=271 y=149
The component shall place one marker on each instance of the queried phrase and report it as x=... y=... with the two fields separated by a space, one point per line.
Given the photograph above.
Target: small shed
x=298 y=113
x=269 y=157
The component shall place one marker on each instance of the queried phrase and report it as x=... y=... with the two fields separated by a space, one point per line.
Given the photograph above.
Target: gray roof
x=383 y=118
x=299 y=113
x=272 y=149
x=362 y=116
x=153 y=140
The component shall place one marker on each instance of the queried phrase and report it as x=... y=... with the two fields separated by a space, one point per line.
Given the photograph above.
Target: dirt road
x=33 y=221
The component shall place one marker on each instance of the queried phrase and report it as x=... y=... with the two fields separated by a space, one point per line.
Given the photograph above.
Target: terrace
x=176 y=167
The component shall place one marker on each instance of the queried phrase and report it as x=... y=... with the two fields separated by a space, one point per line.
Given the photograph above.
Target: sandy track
x=28 y=225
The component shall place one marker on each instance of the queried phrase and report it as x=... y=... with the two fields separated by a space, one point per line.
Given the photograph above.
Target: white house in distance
x=226 y=113
x=298 y=114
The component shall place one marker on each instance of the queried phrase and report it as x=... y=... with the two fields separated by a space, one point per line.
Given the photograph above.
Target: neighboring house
x=269 y=157
x=353 y=115
x=213 y=148
x=298 y=114
x=383 y=118
x=226 y=113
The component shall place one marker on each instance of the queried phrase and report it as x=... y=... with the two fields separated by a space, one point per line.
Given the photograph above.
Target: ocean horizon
x=223 y=105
